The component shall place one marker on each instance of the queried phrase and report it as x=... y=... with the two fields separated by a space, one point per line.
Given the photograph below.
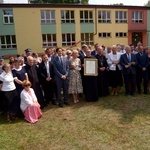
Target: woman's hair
x=74 y=51
x=26 y=82
x=5 y=65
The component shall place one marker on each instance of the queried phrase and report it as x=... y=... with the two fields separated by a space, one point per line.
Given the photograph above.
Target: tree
x=147 y=4
x=119 y=4
x=59 y=1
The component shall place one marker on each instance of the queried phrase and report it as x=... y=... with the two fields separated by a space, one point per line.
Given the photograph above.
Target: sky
x=98 y=2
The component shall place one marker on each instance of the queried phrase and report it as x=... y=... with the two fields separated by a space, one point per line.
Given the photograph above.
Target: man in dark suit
x=32 y=72
x=82 y=52
x=61 y=69
x=94 y=52
x=46 y=74
x=128 y=63
x=142 y=69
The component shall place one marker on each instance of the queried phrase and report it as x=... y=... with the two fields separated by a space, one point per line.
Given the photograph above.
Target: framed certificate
x=90 y=67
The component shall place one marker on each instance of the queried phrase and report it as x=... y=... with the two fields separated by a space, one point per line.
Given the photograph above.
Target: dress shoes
x=60 y=105
x=66 y=103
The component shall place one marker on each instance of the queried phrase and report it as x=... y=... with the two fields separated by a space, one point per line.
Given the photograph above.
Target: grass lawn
x=113 y=123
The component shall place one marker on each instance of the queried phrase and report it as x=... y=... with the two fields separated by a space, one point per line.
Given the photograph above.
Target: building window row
x=108 y=34
x=8 y=42
x=68 y=39
x=8 y=17
x=86 y=16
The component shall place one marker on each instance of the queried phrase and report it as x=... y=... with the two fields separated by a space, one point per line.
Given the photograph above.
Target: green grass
x=113 y=123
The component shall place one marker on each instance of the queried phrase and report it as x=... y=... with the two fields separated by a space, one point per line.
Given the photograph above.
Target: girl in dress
x=75 y=82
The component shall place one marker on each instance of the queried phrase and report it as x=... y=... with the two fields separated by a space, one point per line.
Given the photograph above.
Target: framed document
x=90 y=67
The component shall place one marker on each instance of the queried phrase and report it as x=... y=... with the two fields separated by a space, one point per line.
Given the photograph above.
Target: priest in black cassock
x=102 y=73
x=33 y=78
x=90 y=82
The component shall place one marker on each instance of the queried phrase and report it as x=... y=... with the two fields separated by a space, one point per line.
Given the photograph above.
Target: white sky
x=99 y=2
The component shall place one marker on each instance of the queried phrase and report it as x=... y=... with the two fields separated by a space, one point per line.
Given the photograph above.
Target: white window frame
x=46 y=42
x=124 y=34
x=8 y=44
x=88 y=19
x=89 y=41
x=8 y=16
x=104 y=35
x=137 y=17
x=65 y=41
x=121 y=16
x=64 y=18
x=49 y=20
x=104 y=16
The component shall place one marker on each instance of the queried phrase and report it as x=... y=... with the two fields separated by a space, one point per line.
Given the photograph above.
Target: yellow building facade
x=39 y=26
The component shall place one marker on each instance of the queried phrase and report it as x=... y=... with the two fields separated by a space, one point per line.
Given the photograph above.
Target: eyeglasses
x=27 y=85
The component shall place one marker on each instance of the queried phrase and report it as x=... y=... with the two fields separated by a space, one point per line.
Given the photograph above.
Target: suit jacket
x=94 y=53
x=32 y=74
x=81 y=55
x=43 y=72
x=59 y=69
x=142 y=61
x=124 y=61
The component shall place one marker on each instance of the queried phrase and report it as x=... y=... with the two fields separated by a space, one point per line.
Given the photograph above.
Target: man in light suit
x=46 y=74
x=128 y=63
x=61 y=69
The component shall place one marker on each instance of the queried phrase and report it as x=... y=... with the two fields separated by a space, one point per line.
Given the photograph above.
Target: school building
x=38 y=26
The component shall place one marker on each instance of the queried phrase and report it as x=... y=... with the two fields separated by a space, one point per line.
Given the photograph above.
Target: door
x=136 y=37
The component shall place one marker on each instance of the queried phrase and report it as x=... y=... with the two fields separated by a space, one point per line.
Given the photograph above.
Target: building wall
x=112 y=28
x=148 y=28
x=28 y=29
x=137 y=26
x=6 y=29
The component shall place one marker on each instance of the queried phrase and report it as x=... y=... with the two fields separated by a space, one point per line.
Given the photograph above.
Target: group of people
x=29 y=83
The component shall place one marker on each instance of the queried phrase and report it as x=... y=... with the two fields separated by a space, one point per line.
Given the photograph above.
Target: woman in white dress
x=115 y=72
x=29 y=104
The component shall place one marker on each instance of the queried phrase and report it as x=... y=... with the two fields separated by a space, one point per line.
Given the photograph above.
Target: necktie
x=61 y=62
x=47 y=69
x=129 y=57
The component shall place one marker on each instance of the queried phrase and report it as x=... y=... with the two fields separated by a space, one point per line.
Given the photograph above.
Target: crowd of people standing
x=29 y=83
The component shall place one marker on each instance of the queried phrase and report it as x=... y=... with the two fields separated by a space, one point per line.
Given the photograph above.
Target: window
x=137 y=17
x=8 y=42
x=67 y=16
x=121 y=34
x=104 y=35
x=47 y=16
x=121 y=17
x=8 y=17
x=49 y=40
x=68 y=39
x=104 y=17
x=87 y=38
x=86 y=16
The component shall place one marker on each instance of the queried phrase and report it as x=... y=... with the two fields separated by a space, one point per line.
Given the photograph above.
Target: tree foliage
x=59 y=1
x=147 y=4
x=119 y=4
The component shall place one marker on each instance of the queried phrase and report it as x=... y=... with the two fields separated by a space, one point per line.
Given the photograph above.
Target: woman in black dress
x=19 y=73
